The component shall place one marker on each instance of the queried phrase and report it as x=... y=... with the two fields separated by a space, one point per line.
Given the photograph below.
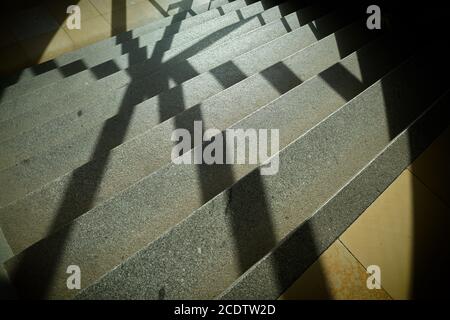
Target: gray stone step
x=124 y=54
x=72 y=153
x=119 y=72
x=121 y=101
x=112 y=231
x=172 y=21
x=48 y=111
x=206 y=252
x=278 y=269
x=149 y=152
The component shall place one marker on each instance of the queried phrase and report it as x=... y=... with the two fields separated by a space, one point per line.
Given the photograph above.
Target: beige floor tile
x=134 y=16
x=59 y=9
x=406 y=233
x=433 y=167
x=91 y=31
x=104 y=6
x=335 y=275
x=12 y=58
x=48 y=46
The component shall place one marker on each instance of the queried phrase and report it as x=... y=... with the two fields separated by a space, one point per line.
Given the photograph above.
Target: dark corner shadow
x=249 y=207
x=431 y=240
x=83 y=185
x=15 y=9
x=431 y=252
x=22 y=275
x=80 y=194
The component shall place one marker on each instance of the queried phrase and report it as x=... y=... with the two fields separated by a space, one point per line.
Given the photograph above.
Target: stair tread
x=121 y=55
x=212 y=229
x=25 y=145
x=130 y=199
x=74 y=56
x=154 y=54
x=153 y=145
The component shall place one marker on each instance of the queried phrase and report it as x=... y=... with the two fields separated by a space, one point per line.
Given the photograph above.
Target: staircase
x=85 y=139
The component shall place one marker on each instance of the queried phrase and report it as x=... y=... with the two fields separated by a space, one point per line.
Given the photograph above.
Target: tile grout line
x=95 y=8
x=359 y=262
x=427 y=187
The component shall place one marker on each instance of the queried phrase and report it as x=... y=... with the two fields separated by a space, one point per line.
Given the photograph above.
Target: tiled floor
x=36 y=31
x=335 y=275
x=405 y=232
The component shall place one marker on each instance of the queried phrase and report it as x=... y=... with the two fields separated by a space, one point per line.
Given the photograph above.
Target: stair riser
x=273 y=274
x=73 y=153
x=242 y=224
x=121 y=228
x=142 y=156
x=126 y=54
x=186 y=45
x=75 y=56
x=25 y=145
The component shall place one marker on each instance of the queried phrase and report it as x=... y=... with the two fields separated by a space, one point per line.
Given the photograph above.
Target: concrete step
x=174 y=20
x=280 y=267
x=149 y=152
x=127 y=53
x=112 y=231
x=119 y=72
x=121 y=101
x=72 y=153
x=22 y=122
x=222 y=240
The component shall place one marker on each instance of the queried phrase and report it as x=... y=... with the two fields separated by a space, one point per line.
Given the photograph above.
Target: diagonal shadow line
x=159 y=8
x=252 y=225
x=42 y=290
x=80 y=195
x=286 y=79
x=423 y=279
x=224 y=172
x=179 y=5
x=43 y=284
x=40 y=47
x=251 y=243
x=248 y=207
x=246 y=203
x=215 y=178
x=153 y=63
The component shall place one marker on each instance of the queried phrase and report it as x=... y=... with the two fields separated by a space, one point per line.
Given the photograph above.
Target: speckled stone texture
x=180 y=46
x=305 y=243
x=172 y=22
x=231 y=232
x=307 y=178
x=140 y=157
x=86 y=171
x=75 y=114
x=122 y=100
x=149 y=152
x=100 y=63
